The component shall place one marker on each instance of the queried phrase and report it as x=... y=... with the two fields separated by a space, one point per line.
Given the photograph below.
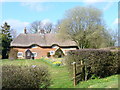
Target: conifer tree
x=6 y=39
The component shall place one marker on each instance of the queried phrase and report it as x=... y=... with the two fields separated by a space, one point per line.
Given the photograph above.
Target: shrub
x=48 y=54
x=100 y=63
x=13 y=54
x=25 y=77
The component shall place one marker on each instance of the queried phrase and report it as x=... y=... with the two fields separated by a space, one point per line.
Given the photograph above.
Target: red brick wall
x=41 y=52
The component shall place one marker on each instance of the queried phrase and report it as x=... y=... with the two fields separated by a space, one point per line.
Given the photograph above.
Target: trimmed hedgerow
x=100 y=63
x=25 y=77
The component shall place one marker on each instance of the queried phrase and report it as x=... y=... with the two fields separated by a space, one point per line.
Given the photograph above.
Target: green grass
x=108 y=82
x=61 y=79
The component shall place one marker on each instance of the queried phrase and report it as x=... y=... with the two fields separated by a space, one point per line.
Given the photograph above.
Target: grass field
x=61 y=79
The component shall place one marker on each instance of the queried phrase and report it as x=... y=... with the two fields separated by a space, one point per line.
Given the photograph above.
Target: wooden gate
x=77 y=74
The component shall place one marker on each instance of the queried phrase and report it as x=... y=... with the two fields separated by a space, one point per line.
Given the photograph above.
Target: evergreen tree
x=0 y=44
x=6 y=39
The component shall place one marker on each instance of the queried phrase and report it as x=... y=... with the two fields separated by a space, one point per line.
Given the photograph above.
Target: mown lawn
x=61 y=79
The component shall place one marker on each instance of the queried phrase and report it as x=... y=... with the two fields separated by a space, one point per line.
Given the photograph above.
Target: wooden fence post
x=74 y=73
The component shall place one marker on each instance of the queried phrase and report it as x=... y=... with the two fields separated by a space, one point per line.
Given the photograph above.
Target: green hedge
x=25 y=77
x=100 y=63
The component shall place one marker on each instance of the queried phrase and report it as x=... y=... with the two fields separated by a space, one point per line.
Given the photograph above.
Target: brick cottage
x=39 y=45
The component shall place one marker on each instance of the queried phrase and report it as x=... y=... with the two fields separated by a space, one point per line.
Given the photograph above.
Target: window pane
x=19 y=54
x=34 y=54
x=52 y=52
x=28 y=54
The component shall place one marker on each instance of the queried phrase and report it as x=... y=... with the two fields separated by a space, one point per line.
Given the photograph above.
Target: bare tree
x=37 y=26
x=13 y=33
x=116 y=36
x=48 y=27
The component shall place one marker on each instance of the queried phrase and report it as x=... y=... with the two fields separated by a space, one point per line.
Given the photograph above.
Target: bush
x=13 y=54
x=25 y=77
x=100 y=63
x=48 y=54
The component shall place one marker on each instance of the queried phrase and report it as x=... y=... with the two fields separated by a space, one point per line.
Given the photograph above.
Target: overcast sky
x=20 y=14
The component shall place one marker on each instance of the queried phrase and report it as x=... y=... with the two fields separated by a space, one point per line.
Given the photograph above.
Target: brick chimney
x=25 y=30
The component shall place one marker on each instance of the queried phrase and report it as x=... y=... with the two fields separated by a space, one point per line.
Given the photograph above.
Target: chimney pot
x=25 y=30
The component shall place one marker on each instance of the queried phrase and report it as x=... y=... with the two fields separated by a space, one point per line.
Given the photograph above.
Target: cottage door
x=28 y=54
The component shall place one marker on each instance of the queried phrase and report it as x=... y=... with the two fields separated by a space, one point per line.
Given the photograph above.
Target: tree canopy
x=86 y=27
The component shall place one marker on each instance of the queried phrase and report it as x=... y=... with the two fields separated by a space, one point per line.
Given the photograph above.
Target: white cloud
x=16 y=24
x=45 y=21
x=34 y=6
x=108 y=5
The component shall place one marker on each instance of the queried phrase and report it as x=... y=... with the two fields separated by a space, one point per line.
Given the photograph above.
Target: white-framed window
x=34 y=54
x=55 y=47
x=28 y=54
x=20 y=54
x=34 y=46
x=52 y=52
